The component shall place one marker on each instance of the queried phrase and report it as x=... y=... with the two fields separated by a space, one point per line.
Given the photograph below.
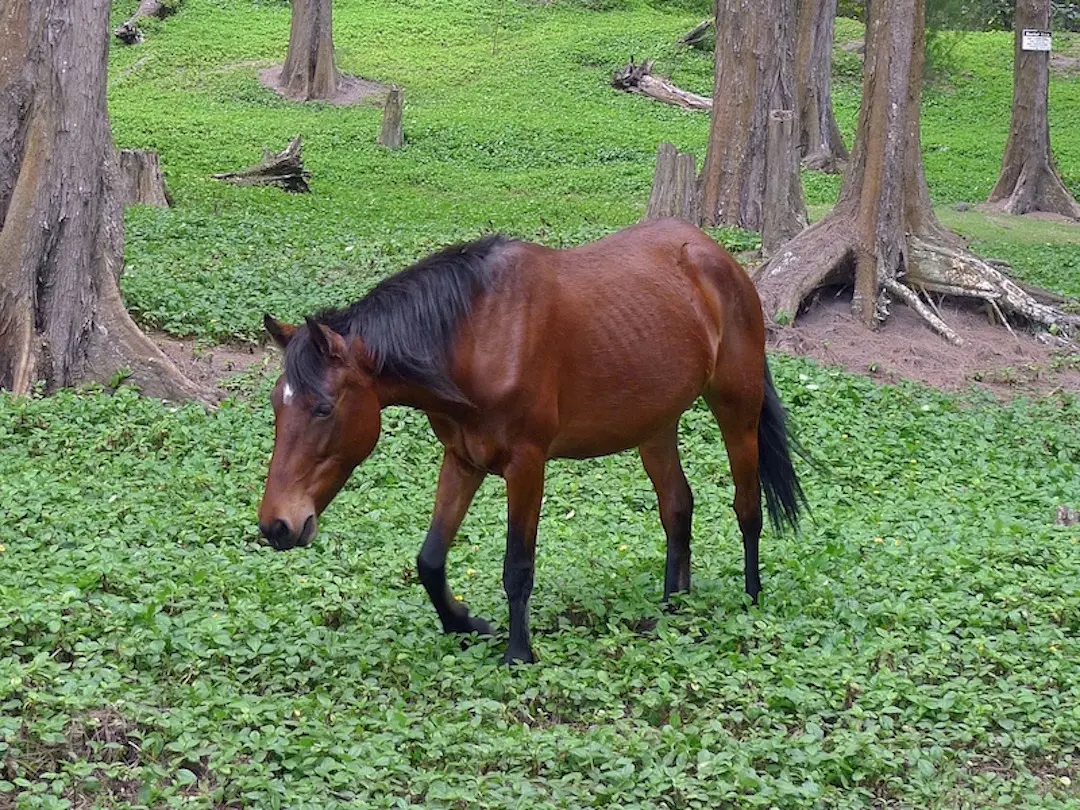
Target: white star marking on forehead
x=287 y=394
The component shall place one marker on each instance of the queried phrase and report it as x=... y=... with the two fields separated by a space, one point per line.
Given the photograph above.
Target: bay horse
x=519 y=353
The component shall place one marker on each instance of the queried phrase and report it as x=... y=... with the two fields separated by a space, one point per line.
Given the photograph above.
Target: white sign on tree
x=1035 y=40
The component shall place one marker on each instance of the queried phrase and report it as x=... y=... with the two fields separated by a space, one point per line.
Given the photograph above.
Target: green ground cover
x=917 y=646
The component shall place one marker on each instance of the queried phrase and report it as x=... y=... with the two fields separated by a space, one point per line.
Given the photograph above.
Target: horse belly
x=613 y=401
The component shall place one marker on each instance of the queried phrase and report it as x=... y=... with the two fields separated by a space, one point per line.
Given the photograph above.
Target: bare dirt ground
x=351 y=89
x=209 y=365
x=904 y=348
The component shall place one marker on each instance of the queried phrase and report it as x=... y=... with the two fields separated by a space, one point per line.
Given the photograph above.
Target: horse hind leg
x=737 y=409
x=660 y=457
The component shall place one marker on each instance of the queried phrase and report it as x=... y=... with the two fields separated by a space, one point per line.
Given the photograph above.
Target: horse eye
x=322 y=410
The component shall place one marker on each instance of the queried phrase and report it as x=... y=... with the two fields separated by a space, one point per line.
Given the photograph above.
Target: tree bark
x=140 y=179
x=1029 y=180
x=754 y=75
x=821 y=146
x=62 y=320
x=309 y=71
x=883 y=235
x=391 y=135
x=674 y=190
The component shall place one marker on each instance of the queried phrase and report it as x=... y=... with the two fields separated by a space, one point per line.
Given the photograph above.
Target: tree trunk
x=391 y=135
x=821 y=146
x=1029 y=180
x=309 y=71
x=62 y=321
x=674 y=191
x=140 y=179
x=883 y=234
x=755 y=46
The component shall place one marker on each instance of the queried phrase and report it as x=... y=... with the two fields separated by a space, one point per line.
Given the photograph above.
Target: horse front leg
x=458 y=482
x=524 y=493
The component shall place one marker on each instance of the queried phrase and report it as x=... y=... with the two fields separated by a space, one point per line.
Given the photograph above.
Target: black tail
x=783 y=494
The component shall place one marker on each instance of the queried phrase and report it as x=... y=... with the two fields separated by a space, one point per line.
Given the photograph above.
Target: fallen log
x=285 y=169
x=128 y=31
x=638 y=79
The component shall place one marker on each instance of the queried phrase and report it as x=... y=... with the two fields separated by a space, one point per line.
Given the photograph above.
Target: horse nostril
x=276 y=531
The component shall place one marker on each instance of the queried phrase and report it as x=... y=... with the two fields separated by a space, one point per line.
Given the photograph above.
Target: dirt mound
x=351 y=89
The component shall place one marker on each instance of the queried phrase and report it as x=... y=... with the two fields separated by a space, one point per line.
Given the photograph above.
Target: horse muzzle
x=282 y=537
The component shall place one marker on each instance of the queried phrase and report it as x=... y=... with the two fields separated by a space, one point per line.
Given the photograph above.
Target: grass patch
x=917 y=645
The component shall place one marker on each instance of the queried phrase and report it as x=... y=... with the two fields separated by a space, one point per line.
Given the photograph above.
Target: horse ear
x=358 y=351
x=329 y=343
x=282 y=333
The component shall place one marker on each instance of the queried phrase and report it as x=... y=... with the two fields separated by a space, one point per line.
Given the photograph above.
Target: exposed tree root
x=825 y=254
x=117 y=343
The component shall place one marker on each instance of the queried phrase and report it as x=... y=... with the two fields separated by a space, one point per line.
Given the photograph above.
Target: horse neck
x=392 y=391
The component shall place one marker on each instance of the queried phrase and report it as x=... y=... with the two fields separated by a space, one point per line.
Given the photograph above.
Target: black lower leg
x=751 y=533
x=677 y=569
x=518 y=583
x=431 y=566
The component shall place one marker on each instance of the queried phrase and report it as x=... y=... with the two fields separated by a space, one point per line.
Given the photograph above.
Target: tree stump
x=674 y=190
x=140 y=181
x=128 y=31
x=285 y=169
x=391 y=135
x=785 y=212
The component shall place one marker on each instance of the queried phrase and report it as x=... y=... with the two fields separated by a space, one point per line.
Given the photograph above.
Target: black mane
x=407 y=321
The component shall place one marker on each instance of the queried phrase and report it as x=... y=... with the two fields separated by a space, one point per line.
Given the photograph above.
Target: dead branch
x=698 y=34
x=285 y=169
x=128 y=31
x=633 y=78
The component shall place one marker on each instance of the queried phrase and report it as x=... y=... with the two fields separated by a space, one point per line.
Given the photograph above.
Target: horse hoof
x=513 y=658
x=469 y=624
x=478 y=626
